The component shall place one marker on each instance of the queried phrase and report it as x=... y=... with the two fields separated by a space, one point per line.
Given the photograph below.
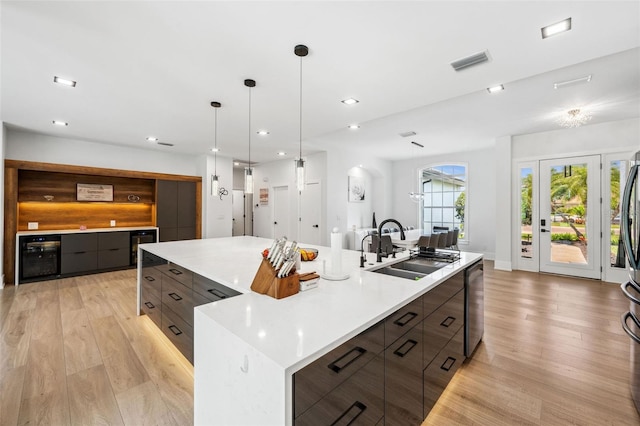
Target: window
x=444 y=203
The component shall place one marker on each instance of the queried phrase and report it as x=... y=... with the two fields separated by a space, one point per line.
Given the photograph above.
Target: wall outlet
x=32 y=225
x=113 y=223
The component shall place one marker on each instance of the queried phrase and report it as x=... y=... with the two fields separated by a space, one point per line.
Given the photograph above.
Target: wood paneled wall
x=26 y=184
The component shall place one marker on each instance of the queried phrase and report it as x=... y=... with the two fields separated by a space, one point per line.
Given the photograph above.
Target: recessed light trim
x=152 y=139
x=215 y=149
x=60 y=123
x=350 y=101
x=235 y=163
x=407 y=134
x=495 y=89
x=282 y=153
x=64 y=81
x=262 y=132
x=562 y=84
x=557 y=28
x=354 y=126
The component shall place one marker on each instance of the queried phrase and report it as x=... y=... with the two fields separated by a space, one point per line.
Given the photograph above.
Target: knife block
x=266 y=282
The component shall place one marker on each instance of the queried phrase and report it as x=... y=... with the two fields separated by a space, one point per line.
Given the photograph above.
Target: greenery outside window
x=445 y=193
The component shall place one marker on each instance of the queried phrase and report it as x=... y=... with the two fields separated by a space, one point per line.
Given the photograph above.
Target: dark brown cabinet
x=168 y=294
x=113 y=250
x=176 y=210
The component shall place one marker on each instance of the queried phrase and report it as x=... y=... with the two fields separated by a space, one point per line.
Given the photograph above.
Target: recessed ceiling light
x=407 y=134
x=235 y=163
x=350 y=101
x=561 y=84
x=495 y=89
x=354 y=126
x=152 y=139
x=215 y=149
x=282 y=153
x=60 y=123
x=262 y=132
x=557 y=28
x=64 y=81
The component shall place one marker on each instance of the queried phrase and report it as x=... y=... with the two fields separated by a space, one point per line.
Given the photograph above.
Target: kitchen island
x=247 y=348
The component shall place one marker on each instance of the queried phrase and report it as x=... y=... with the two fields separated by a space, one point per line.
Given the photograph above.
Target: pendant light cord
x=300 y=107
x=215 y=154
x=249 y=128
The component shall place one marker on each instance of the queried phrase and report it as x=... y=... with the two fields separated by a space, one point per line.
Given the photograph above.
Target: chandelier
x=574 y=118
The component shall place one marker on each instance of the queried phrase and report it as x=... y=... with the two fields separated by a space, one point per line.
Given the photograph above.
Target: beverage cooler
x=630 y=234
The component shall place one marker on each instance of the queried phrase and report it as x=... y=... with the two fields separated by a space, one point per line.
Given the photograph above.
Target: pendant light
x=301 y=51
x=248 y=171
x=417 y=197
x=215 y=183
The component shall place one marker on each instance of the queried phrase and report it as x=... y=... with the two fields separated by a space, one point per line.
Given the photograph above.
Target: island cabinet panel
x=442 y=325
x=403 y=379
x=356 y=401
x=211 y=290
x=319 y=379
x=403 y=320
x=440 y=371
x=443 y=292
x=79 y=253
x=168 y=294
x=113 y=249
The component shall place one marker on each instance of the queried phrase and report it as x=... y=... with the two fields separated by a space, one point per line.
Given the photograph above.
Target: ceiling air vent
x=475 y=59
x=164 y=143
x=407 y=134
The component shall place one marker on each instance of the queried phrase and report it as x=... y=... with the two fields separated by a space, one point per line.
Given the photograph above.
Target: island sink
x=413 y=269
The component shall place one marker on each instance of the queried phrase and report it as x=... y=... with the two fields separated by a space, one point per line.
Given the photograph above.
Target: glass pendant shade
x=215 y=185
x=248 y=180
x=300 y=174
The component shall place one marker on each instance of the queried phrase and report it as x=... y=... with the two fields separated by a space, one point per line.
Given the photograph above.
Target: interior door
x=281 y=211
x=237 y=206
x=569 y=221
x=309 y=222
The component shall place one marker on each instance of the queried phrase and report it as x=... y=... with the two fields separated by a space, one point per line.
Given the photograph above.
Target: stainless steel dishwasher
x=474 y=307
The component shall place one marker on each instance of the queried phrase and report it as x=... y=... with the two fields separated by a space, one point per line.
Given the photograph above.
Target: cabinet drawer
x=212 y=290
x=440 y=326
x=113 y=240
x=152 y=279
x=113 y=258
x=443 y=292
x=150 y=305
x=403 y=320
x=179 y=332
x=78 y=262
x=317 y=379
x=403 y=379
x=178 y=273
x=440 y=371
x=178 y=298
x=357 y=401
x=74 y=243
x=150 y=259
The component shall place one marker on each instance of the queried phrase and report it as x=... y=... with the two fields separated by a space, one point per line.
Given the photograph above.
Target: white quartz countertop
x=298 y=329
x=84 y=231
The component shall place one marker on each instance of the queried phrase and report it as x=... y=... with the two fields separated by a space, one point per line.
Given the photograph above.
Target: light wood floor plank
x=143 y=405
x=91 y=398
x=123 y=366
x=94 y=300
x=80 y=348
x=15 y=335
x=11 y=383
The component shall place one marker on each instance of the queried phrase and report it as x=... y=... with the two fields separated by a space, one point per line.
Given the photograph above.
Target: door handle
x=544 y=230
x=315 y=226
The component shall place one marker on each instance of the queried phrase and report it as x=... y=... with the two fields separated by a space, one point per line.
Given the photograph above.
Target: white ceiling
x=152 y=68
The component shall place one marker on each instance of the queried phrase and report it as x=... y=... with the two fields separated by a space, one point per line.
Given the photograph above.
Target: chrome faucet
x=402 y=237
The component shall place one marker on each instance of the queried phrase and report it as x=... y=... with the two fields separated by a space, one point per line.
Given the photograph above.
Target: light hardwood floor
x=73 y=351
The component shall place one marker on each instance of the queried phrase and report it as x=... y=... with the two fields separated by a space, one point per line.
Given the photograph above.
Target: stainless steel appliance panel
x=474 y=307
x=631 y=325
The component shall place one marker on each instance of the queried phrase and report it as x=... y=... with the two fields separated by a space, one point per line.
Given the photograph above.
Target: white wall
x=216 y=210
x=503 y=203
x=49 y=149
x=339 y=162
x=282 y=173
x=3 y=138
x=481 y=195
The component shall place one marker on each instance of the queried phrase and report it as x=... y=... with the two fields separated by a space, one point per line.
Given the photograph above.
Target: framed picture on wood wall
x=94 y=192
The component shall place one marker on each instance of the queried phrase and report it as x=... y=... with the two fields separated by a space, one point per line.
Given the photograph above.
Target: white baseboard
x=502 y=265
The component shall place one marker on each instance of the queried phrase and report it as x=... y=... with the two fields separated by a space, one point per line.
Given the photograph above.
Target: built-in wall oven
x=39 y=257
